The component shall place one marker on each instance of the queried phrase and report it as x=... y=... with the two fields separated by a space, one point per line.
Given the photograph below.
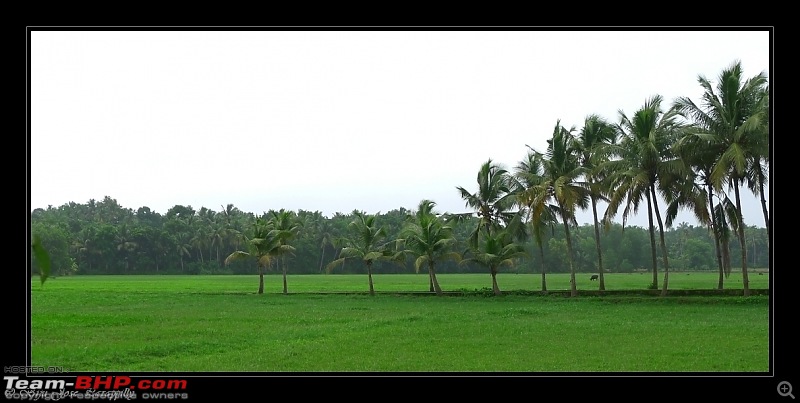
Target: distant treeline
x=105 y=238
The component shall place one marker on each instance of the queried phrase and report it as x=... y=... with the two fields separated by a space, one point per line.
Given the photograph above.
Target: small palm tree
x=266 y=243
x=286 y=222
x=494 y=251
x=428 y=238
x=367 y=245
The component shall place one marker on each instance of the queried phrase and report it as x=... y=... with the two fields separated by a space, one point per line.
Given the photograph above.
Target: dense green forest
x=694 y=156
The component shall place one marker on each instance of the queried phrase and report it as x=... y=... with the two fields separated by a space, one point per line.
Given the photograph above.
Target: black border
x=618 y=386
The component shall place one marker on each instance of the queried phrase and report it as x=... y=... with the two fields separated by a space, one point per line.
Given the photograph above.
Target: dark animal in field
x=594 y=277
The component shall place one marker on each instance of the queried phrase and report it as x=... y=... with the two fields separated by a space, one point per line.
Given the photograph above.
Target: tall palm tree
x=529 y=174
x=492 y=201
x=325 y=236
x=647 y=157
x=265 y=244
x=125 y=243
x=696 y=190
x=368 y=245
x=561 y=187
x=594 y=149
x=733 y=118
x=758 y=172
x=183 y=246
x=496 y=250
x=428 y=238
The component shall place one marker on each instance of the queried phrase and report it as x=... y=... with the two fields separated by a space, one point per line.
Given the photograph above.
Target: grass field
x=219 y=323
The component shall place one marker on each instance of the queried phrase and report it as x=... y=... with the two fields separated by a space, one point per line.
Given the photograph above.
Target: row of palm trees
x=689 y=154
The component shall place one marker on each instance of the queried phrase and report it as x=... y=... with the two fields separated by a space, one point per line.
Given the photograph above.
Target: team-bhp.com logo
x=94 y=387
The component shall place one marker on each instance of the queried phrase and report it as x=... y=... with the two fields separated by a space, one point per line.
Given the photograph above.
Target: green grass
x=218 y=323
x=273 y=283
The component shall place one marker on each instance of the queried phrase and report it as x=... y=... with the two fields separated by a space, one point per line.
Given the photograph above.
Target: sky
x=338 y=120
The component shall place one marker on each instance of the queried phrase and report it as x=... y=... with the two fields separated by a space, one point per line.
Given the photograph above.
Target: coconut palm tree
x=183 y=247
x=696 y=193
x=494 y=251
x=286 y=222
x=594 y=149
x=733 y=118
x=324 y=236
x=646 y=158
x=429 y=239
x=492 y=202
x=530 y=179
x=368 y=245
x=758 y=172
x=266 y=243
x=560 y=187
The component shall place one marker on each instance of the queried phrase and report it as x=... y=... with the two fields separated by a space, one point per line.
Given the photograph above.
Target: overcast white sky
x=336 y=120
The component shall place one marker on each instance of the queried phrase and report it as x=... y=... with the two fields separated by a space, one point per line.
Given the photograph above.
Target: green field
x=219 y=323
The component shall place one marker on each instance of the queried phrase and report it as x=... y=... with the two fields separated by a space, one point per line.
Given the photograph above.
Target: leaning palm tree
x=733 y=118
x=560 y=189
x=492 y=201
x=428 y=238
x=646 y=158
x=593 y=145
x=530 y=176
x=496 y=250
x=266 y=243
x=367 y=245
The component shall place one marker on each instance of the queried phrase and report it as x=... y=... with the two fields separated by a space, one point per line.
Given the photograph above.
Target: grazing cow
x=594 y=277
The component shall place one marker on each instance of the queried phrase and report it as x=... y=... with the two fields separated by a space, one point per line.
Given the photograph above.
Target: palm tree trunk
x=495 y=288
x=663 y=243
x=652 y=241
x=764 y=207
x=369 y=273
x=321 y=258
x=715 y=231
x=573 y=288
x=260 y=280
x=597 y=245
x=285 y=288
x=544 y=279
x=434 y=282
x=745 y=280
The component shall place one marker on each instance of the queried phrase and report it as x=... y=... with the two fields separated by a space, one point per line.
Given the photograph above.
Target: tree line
x=696 y=156
x=106 y=238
